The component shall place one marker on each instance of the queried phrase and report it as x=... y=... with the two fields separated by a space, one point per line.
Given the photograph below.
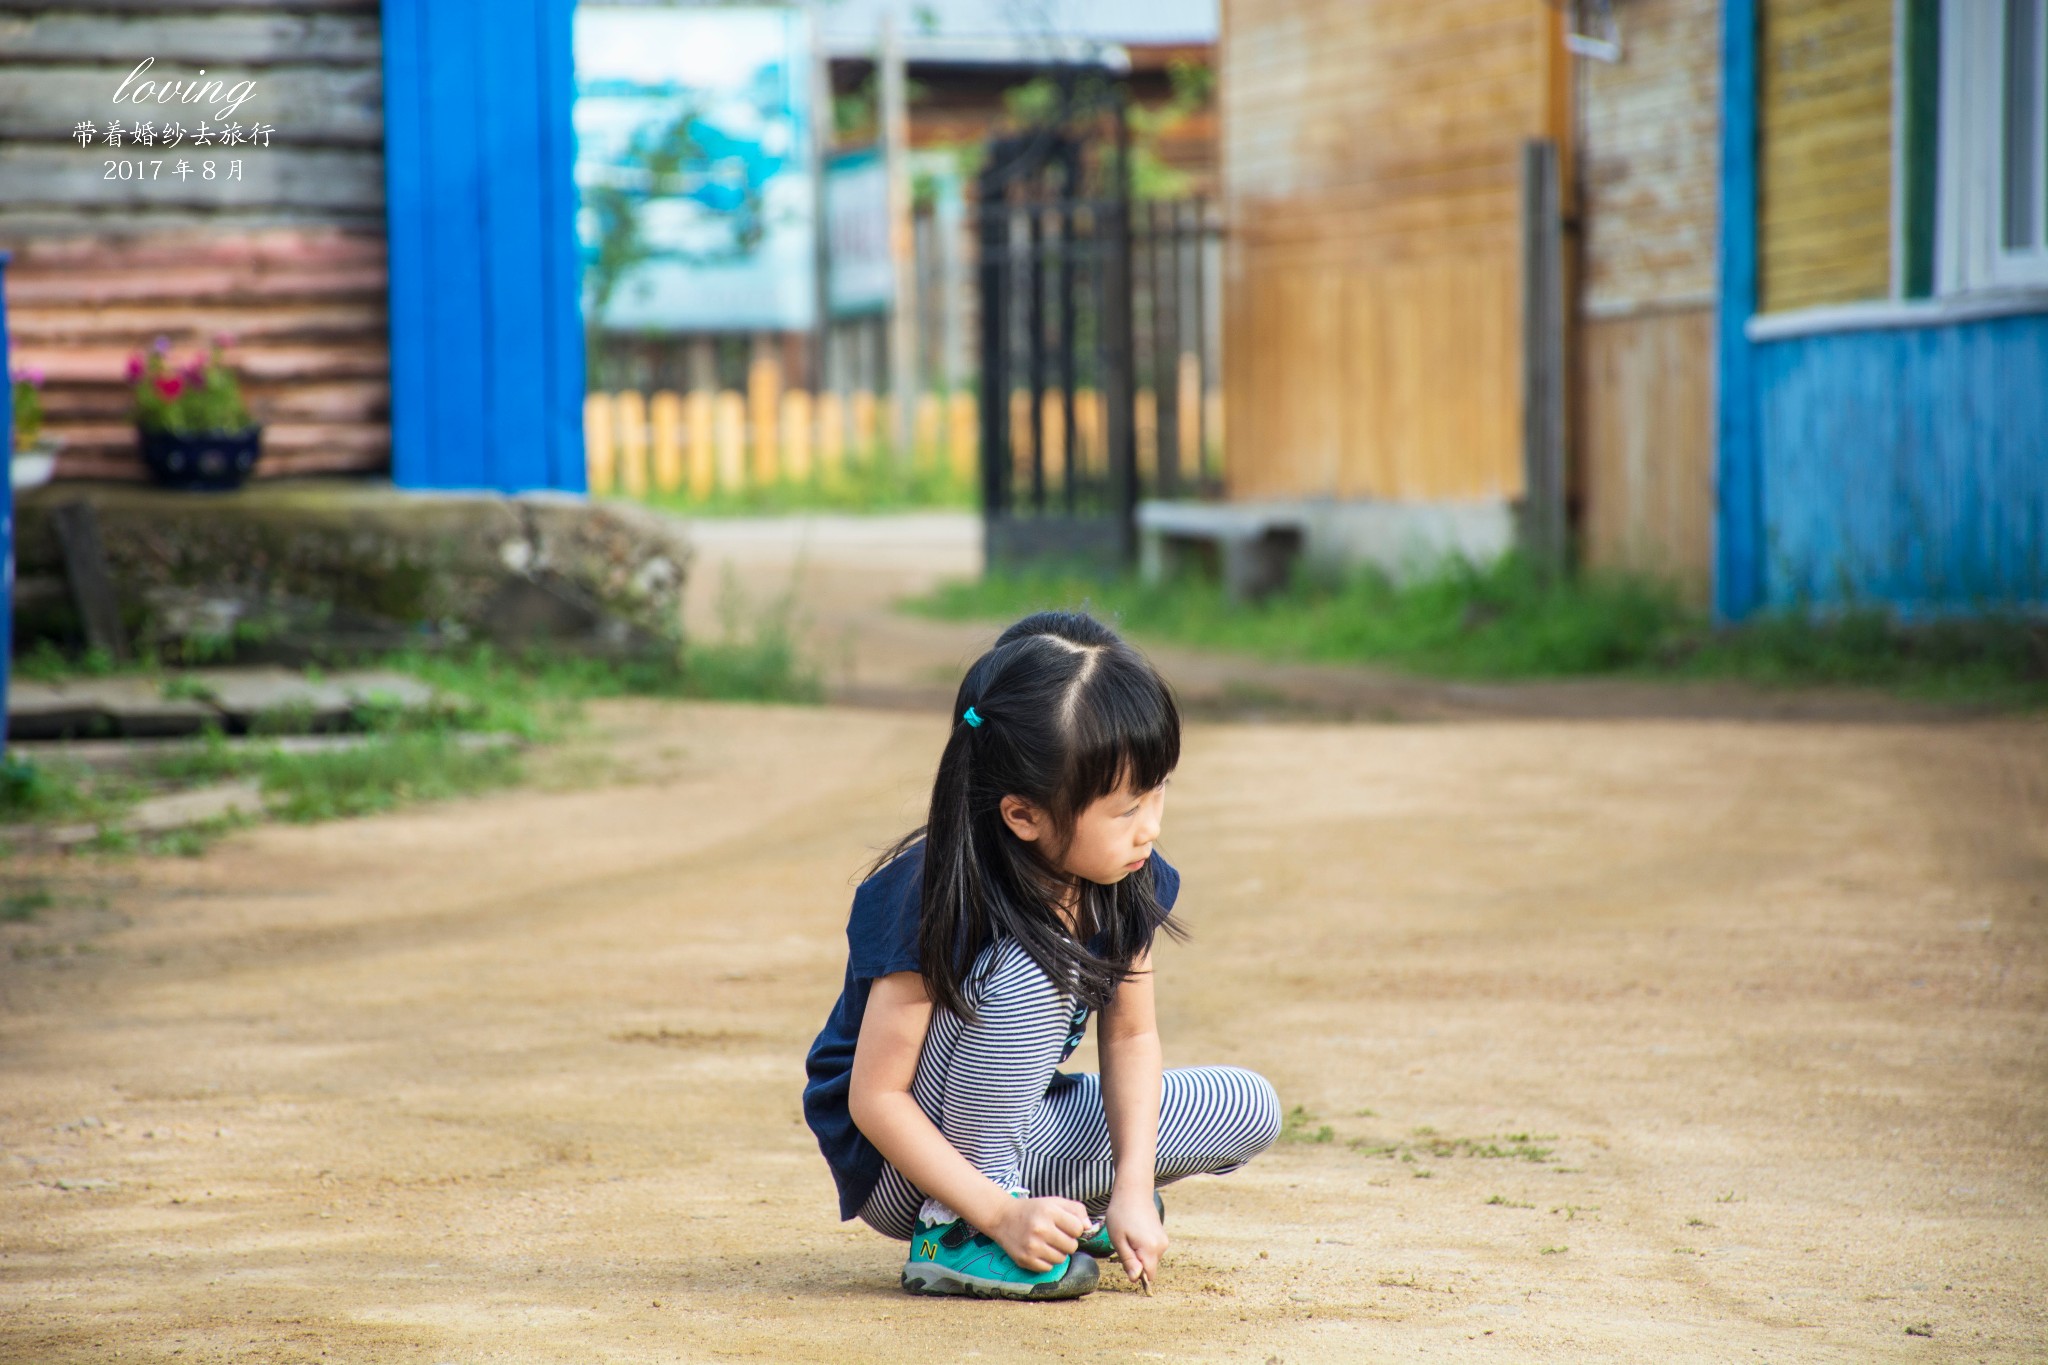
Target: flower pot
x=33 y=466
x=201 y=461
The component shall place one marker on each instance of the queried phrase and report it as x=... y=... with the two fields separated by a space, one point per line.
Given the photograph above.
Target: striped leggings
x=984 y=1085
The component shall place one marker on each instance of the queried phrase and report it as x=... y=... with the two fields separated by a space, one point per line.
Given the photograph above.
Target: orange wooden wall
x=1371 y=178
x=1649 y=130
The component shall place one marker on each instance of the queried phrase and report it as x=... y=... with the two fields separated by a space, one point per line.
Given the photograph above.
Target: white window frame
x=1970 y=255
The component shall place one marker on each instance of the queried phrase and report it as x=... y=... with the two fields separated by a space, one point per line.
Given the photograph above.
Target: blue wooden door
x=486 y=327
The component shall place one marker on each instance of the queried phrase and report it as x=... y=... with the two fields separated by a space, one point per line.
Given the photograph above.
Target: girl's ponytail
x=952 y=869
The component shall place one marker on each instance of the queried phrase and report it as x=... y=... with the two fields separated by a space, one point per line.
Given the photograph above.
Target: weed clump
x=1299 y=1125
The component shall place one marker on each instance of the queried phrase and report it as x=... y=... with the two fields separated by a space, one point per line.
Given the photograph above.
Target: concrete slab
x=133 y=755
x=155 y=815
x=182 y=810
x=247 y=698
x=382 y=687
x=136 y=707
x=132 y=705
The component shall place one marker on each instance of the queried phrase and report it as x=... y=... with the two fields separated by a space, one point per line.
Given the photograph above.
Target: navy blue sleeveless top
x=881 y=938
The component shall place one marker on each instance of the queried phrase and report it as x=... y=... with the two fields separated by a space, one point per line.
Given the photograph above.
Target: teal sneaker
x=1097 y=1243
x=952 y=1258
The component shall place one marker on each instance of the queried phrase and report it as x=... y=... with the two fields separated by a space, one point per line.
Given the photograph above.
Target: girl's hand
x=1137 y=1234
x=1039 y=1233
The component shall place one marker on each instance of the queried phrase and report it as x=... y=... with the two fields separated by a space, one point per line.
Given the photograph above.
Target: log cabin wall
x=1371 y=154
x=1649 y=129
x=290 y=260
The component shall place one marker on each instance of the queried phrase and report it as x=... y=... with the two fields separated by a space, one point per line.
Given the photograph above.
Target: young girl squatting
x=978 y=948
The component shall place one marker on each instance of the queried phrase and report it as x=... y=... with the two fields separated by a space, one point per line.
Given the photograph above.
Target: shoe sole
x=939 y=1282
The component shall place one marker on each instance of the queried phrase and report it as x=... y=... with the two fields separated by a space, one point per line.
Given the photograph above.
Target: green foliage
x=203 y=395
x=874 y=483
x=430 y=765
x=1499 y=621
x=857 y=114
x=406 y=756
x=1044 y=99
x=1299 y=1125
x=1504 y=621
x=28 y=408
x=658 y=153
x=1194 y=86
x=20 y=904
x=55 y=791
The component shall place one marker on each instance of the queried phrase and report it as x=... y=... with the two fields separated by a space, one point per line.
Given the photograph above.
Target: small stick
x=1145 y=1282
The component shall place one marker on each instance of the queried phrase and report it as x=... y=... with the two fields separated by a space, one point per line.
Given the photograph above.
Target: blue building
x=1882 y=413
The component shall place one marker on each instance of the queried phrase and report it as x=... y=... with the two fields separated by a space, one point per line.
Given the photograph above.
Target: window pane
x=2023 y=109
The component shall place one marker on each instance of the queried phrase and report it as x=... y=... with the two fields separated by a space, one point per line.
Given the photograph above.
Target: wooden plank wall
x=289 y=260
x=1825 y=173
x=1906 y=465
x=1371 y=153
x=1649 y=129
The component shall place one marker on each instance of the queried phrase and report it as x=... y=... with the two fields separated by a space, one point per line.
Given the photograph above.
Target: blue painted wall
x=1907 y=465
x=6 y=506
x=1738 y=516
x=486 y=329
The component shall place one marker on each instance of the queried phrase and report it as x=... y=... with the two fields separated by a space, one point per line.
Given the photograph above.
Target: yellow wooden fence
x=701 y=444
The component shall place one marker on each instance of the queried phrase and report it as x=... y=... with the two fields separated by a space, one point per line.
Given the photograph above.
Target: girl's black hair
x=1068 y=712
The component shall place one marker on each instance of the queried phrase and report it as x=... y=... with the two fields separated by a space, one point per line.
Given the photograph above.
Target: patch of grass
x=179 y=687
x=396 y=770
x=1427 y=1142
x=409 y=759
x=1503 y=621
x=1487 y=1148
x=51 y=792
x=1502 y=1201
x=1919 y=1329
x=44 y=662
x=405 y=756
x=871 y=484
x=19 y=905
x=1299 y=1125
x=1553 y=1251
x=191 y=842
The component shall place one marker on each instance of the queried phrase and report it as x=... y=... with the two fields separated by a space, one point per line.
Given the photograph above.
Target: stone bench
x=1252 y=550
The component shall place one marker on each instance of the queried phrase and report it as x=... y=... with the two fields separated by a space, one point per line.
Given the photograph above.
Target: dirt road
x=1635 y=1041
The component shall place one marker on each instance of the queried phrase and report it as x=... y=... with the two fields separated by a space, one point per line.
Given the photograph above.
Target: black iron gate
x=1058 y=451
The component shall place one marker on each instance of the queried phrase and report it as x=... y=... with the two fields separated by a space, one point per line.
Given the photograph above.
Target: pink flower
x=30 y=375
x=134 y=368
x=195 y=373
x=170 y=386
x=223 y=339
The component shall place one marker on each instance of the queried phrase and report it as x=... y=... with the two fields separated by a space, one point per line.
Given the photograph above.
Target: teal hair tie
x=971 y=718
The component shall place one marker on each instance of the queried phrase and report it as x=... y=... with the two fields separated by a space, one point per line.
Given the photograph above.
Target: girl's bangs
x=1128 y=730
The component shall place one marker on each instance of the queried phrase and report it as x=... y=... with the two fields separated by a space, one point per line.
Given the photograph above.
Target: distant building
x=1806 y=357
x=399 y=258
